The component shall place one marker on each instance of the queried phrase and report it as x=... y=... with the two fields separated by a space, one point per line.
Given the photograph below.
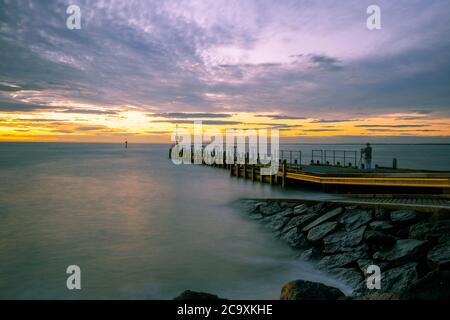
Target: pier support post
x=245 y=171
x=237 y=170
x=283 y=176
x=253 y=172
x=261 y=177
x=231 y=170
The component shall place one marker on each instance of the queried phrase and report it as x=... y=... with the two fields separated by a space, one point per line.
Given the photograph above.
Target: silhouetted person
x=367 y=153
x=126 y=143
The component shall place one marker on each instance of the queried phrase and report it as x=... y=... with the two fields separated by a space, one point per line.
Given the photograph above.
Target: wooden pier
x=344 y=177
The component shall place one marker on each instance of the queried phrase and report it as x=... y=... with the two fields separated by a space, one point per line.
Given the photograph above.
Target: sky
x=138 y=69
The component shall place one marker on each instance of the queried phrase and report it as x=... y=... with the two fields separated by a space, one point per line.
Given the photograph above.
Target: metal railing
x=335 y=157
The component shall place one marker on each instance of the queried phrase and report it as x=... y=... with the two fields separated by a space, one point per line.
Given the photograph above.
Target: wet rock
x=192 y=295
x=350 y=276
x=403 y=216
x=434 y=286
x=295 y=239
x=335 y=248
x=300 y=209
x=355 y=218
x=340 y=260
x=379 y=241
x=343 y=241
x=299 y=221
x=428 y=230
x=317 y=233
x=404 y=250
x=270 y=208
x=323 y=218
x=439 y=257
x=307 y=290
x=383 y=226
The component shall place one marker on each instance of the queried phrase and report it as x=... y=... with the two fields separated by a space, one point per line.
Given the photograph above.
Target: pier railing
x=335 y=157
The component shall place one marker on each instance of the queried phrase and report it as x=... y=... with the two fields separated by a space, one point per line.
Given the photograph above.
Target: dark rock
x=340 y=260
x=355 y=218
x=307 y=290
x=270 y=208
x=399 y=279
x=381 y=214
x=379 y=241
x=383 y=226
x=403 y=215
x=299 y=221
x=428 y=230
x=404 y=250
x=192 y=295
x=326 y=216
x=350 y=276
x=317 y=233
x=300 y=209
x=442 y=214
x=343 y=241
x=434 y=286
x=295 y=239
x=336 y=248
x=439 y=257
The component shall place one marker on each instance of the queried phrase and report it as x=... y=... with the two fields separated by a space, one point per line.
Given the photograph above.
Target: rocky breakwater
x=412 y=249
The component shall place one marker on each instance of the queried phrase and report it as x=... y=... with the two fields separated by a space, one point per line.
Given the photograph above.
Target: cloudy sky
x=312 y=69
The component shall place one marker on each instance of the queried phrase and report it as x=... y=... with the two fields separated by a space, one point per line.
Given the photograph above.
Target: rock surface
x=404 y=250
x=193 y=295
x=307 y=290
x=327 y=216
x=439 y=257
x=317 y=233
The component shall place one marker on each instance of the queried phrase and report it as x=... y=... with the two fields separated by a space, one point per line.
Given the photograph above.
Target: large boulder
x=323 y=218
x=403 y=215
x=307 y=290
x=340 y=260
x=317 y=233
x=434 y=286
x=429 y=230
x=355 y=218
x=193 y=295
x=439 y=257
x=404 y=250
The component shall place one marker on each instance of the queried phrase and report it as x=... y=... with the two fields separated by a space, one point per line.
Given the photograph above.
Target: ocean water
x=137 y=225
x=141 y=227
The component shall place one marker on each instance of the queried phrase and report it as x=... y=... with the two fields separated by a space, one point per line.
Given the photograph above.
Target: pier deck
x=345 y=176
